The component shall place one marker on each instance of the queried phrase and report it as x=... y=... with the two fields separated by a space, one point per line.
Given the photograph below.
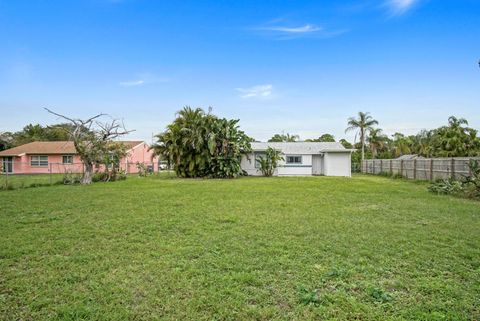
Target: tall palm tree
x=363 y=124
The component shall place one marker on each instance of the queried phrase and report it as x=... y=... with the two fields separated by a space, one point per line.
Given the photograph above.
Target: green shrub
x=446 y=187
x=471 y=183
x=269 y=163
x=70 y=178
x=142 y=169
x=109 y=176
x=468 y=187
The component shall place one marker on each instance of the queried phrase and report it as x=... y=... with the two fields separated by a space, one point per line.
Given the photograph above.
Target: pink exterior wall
x=22 y=165
x=140 y=153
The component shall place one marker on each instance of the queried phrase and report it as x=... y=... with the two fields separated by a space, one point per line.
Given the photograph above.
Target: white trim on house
x=330 y=159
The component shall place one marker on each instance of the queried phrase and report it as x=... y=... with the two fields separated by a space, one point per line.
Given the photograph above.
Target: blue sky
x=301 y=67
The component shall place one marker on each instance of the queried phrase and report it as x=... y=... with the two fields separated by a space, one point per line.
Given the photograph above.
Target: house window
x=67 y=159
x=294 y=160
x=39 y=160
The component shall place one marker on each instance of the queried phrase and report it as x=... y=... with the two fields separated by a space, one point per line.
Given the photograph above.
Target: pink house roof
x=49 y=148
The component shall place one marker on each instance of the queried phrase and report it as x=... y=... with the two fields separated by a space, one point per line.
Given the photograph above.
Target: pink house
x=61 y=157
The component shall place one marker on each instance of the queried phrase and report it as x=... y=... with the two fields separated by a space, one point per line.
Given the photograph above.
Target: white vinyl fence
x=420 y=169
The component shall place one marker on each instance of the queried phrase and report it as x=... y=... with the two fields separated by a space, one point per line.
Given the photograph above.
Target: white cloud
x=399 y=7
x=301 y=29
x=143 y=79
x=260 y=91
x=281 y=30
x=132 y=83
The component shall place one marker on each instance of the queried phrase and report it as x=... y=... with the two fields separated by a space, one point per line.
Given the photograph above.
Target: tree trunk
x=87 y=175
x=362 y=138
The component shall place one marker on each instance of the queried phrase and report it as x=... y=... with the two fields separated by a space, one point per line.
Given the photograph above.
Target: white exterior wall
x=305 y=169
x=337 y=164
x=333 y=164
x=248 y=165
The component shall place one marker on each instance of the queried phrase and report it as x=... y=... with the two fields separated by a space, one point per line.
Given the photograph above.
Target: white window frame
x=287 y=162
x=38 y=162
x=67 y=163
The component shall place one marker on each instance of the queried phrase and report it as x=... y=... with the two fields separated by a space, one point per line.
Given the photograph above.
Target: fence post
x=453 y=168
x=50 y=172
x=431 y=169
x=381 y=166
x=414 y=169
x=391 y=168
x=469 y=168
x=401 y=168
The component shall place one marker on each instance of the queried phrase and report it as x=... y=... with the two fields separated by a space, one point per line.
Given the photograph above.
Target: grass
x=321 y=248
x=28 y=180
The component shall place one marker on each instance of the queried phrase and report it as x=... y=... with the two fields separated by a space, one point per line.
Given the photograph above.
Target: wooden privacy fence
x=420 y=168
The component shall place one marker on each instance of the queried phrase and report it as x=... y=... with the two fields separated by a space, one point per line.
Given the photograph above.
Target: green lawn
x=28 y=180
x=318 y=248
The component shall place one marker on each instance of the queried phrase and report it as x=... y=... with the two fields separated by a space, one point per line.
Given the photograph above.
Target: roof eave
x=337 y=150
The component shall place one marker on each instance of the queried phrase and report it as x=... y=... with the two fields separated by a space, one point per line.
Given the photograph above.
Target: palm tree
x=376 y=140
x=401 y=144
x=363 y=124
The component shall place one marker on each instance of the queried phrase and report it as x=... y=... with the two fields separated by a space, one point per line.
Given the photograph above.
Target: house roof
x=301 y=147
x=58 y=147
x=409 y=156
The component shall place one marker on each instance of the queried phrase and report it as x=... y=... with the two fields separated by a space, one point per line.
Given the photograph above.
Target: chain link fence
x=14 y=175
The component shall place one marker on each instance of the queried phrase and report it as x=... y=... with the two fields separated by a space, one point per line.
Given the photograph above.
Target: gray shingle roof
x=299 y=147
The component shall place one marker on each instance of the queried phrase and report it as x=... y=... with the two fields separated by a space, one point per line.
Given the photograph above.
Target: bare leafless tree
x=91 y=138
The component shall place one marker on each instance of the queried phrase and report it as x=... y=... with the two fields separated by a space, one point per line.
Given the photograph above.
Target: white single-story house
x=302 y=159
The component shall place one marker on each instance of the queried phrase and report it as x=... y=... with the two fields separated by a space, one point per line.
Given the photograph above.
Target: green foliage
x=446 y=186
x=453 y=140
x=111 y=157
x=471 y=184
x=468 y=187
x=346 y=143
x=107 y=177
x=278 y=138
x=36 y=132
x=361 y=125
x=323 y=138
x=379 y=295
x=142 y=169
x=70 y=178
x=308 y=297
x=269 y=162
x=202 y=145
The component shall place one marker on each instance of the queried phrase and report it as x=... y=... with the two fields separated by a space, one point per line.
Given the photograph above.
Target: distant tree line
x=455 y=139
x=199 y=144
x=35 y=132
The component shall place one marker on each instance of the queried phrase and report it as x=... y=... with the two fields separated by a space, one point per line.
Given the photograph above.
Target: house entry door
x=316 y=165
